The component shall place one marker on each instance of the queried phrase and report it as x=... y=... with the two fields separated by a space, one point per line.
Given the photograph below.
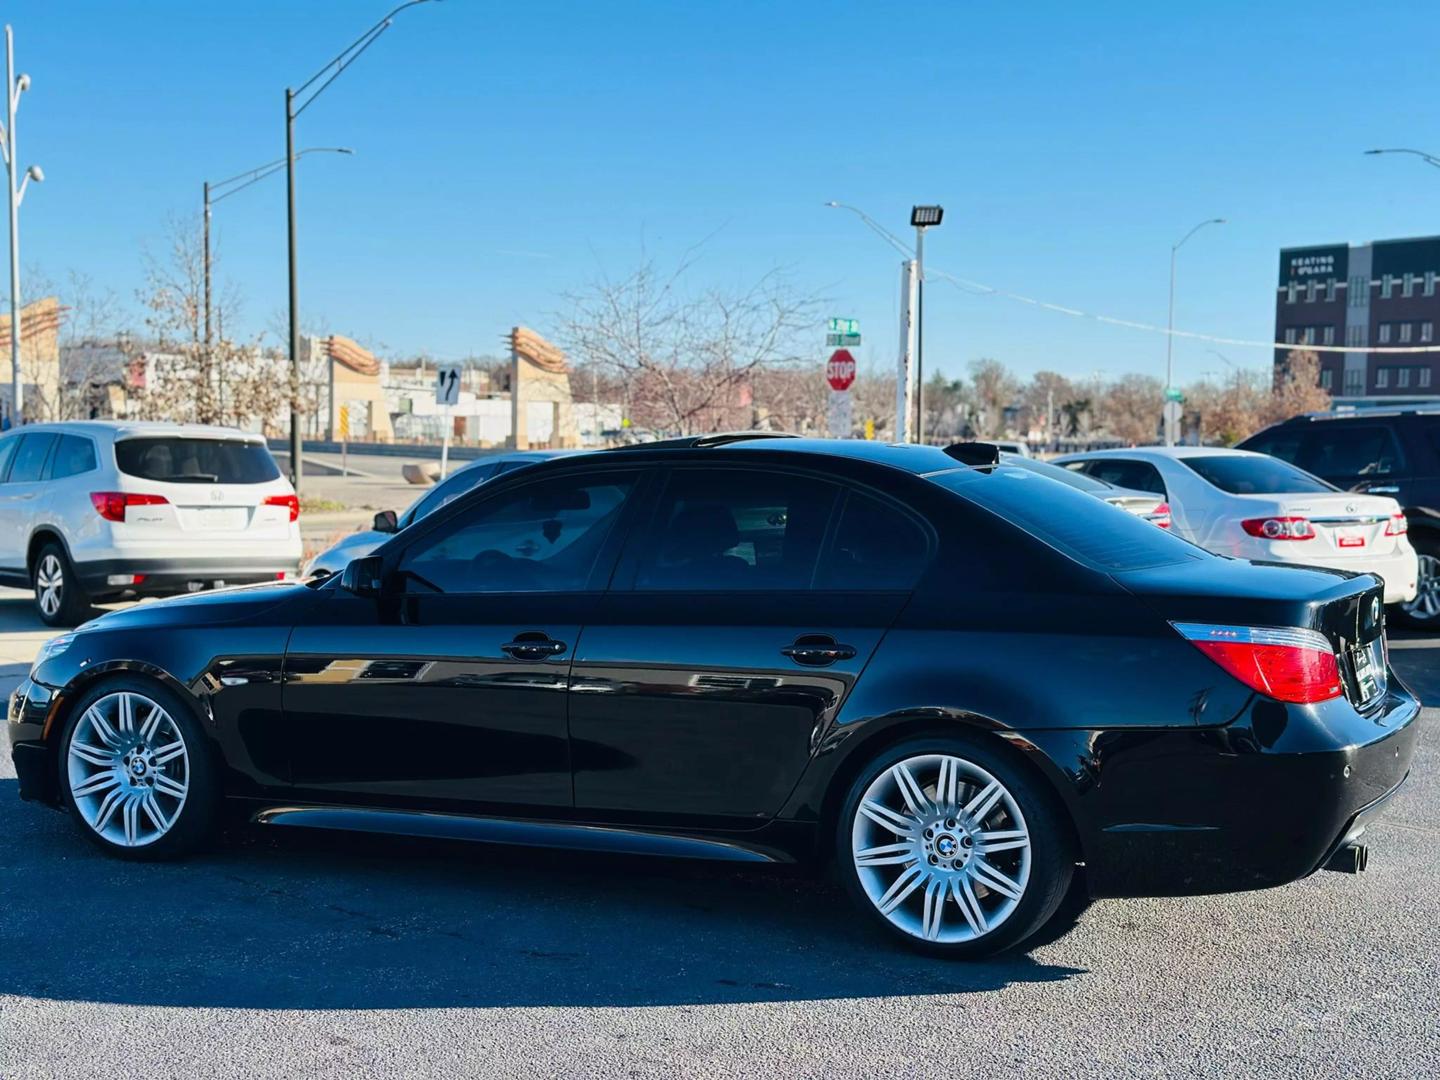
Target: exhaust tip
x=1349 y=859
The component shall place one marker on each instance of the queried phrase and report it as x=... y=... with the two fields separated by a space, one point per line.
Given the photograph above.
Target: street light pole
x=334 y=68
x=1429 y=159
x=922 y=217
x=1170 y=330
x=13 y=89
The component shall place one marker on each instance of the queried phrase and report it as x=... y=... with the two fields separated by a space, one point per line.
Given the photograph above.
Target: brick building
x=1365 y=295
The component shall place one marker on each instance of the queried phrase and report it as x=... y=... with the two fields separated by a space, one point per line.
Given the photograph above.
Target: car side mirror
x=363 y=576
x=386 y=522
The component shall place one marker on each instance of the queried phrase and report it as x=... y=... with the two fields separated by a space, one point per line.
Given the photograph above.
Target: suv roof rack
x=1340 y=412
x=719 y=438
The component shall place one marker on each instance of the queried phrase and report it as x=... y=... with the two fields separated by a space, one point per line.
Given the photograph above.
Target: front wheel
x=135 y=769
x=952 y=848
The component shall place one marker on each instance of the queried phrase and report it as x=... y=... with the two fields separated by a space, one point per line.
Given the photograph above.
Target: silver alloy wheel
x=935 y=828
x=49 y=585
x=128 y=768
x=1426 y=604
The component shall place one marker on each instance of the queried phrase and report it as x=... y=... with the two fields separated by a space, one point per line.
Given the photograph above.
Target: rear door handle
x=533 y=646
x=817 y=650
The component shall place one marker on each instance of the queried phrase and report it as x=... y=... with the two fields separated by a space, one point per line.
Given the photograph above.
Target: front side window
x=74 y=455
x=173 y=460
x=30 y=458
x=1246 y=475
x=447 y=491
x=728 y=529
x=876 y=546
x=542 y=537
x=7 y=451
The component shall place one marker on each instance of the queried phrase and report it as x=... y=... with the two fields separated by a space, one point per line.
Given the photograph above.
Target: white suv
x=94 y=510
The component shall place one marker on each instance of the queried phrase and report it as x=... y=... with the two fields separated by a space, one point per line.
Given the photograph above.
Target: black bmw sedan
x=971 y=689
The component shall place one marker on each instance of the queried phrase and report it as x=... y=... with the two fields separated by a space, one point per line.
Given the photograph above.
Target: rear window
x=1255 y=475
x=1081 y=526
x=196 y=461
x=1077 y=480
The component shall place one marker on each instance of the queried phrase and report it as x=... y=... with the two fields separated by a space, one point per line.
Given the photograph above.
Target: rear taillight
x=111 y=505
x=1397 y=525
x=1288 y=664
x=292 y=502
x=1280 y=528
x=1160 y=515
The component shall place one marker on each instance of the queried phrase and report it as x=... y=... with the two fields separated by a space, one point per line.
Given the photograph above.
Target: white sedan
x=1253 y=506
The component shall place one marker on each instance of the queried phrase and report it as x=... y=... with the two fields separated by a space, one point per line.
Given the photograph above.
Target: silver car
x=335 y=558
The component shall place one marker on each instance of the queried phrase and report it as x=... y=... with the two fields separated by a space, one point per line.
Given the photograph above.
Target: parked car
x=386 y=523
x=94 y=510
x=1391 y=451
x=1253 y=506
x=1140 y=503
x=977 y=690
x=1012 y=446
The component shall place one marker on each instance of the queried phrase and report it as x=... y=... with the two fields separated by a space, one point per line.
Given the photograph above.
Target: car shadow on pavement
x=300 y=920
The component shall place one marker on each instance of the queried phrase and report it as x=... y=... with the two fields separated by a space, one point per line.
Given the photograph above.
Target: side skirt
x=605 y=838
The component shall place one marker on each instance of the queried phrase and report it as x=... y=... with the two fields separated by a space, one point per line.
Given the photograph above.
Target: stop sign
x=840 y=370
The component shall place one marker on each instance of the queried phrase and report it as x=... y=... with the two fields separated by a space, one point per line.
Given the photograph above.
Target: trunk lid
x=1346 y=524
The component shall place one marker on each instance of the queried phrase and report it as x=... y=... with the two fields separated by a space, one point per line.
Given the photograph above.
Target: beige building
x=39 y=359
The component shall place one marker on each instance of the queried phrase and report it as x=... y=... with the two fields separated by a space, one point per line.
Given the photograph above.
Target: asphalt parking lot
x=305 y=956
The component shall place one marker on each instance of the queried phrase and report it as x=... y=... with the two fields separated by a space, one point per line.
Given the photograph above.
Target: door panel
x=416 y=700
x=683 y=707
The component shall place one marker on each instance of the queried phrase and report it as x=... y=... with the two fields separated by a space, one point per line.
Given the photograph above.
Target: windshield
x=178 y=460
x=1242 y=474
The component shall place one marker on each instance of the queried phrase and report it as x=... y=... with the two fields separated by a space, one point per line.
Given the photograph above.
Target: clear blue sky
x=509 y=152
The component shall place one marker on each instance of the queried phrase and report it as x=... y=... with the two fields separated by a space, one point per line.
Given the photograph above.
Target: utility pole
x=905 y=374
x=1168 y=413
x=295 y=433
x=209 y=352
x=13 y=89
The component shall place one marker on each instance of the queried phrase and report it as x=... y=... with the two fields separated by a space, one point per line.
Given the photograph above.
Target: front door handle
x=533 y=646
x=817 y=650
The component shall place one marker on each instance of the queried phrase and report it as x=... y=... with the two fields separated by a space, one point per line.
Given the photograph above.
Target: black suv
x=1382 y=451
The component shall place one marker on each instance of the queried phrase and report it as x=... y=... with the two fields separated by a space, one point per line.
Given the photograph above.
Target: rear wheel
x=1423 y=612
x=60 y=599
x=135 y=769
x=952 y=848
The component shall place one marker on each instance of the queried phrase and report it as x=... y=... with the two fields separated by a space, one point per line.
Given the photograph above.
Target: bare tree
x=690 y=361
x=1130 y=409
x=91 y=318
x=993 y=389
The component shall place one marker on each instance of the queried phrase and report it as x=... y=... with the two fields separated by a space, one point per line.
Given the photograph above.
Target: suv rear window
x=1081 y=526
x=1255 y=475
x=196 y=461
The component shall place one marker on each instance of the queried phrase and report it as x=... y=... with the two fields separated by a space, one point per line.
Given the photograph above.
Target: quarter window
x=542 y=537
x=729 y=529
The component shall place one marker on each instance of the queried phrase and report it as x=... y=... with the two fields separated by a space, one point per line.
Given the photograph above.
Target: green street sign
x=840 y=341
x=844 y=326
x=1174 y=395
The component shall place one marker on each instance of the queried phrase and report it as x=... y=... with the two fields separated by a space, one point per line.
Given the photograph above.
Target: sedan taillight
x=111 y=505
x=292 y=502
x=1160 y=516
x=1397 y=525
x=1285 y=663
x=1280 y=528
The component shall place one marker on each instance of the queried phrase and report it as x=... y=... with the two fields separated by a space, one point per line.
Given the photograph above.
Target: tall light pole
x=296 y=102
x=236 y=184
x=13 y=89
x=1170 y=329
x=1429 y=159
x=922 y=217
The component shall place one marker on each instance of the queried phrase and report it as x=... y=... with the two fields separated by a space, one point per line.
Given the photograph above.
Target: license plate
x=216 y=517
x=1351 y=540
x=1369 y=669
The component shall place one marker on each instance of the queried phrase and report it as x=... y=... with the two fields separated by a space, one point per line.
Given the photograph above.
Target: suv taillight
x=1397 y=525
x=290 y=501
x=111 y=505
x=1280 y=528
x=1285 y=663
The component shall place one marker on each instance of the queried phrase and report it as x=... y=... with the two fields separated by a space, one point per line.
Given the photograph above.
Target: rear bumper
x=1260 y=802
x=165 y=577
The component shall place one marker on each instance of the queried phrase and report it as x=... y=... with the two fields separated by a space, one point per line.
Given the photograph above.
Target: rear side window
x=876 y=546
x=74 y=455
x=1331 y=449
x=196 y=461
x=1079 y=525
x=30 y=458
x=7 y=451
x=1126 y=473
x=724 y=529
x=1255 y=475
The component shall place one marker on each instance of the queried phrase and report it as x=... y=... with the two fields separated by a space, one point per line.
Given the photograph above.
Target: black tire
x=1051 y=865
x=194 y=822
x=66 y=604
x=1413 y=615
